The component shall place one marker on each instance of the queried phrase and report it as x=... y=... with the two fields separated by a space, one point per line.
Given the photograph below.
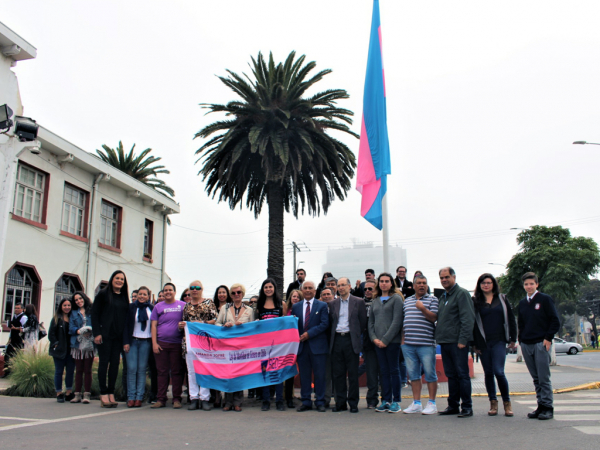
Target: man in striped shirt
x=418 y=344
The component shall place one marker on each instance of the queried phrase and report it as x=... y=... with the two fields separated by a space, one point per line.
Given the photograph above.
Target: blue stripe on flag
x=255 y=380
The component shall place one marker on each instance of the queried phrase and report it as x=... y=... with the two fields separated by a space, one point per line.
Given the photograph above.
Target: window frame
x=119 y=222
x=86 y=214
x=150 y=241
x=36 y=290
x=44 y=201
x=74 y=279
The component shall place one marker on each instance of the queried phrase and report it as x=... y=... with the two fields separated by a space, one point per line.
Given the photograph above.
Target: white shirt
x=532 y=295
x=137 y=327
x=306 y=302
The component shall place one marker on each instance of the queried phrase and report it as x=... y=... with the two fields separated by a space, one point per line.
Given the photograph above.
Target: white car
x=562 y=346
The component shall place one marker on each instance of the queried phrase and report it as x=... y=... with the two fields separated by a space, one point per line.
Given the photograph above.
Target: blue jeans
x=492 y=360
x=137 y=363
x=59 y=367
x=389 y=372
x=456 y=366
x=266 y=393
x=417 y=355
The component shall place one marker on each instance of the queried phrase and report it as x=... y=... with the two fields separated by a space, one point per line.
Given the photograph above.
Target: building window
x=65 y=287
x=148 y=235
x=110 y=219
x=21 y=286
x=100 y=286
x=29 y=193
x=74 y=211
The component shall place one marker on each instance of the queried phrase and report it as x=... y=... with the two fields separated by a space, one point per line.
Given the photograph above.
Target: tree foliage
x=589 y=301
x=274 y=146
x=137 y=166
x=562 y=263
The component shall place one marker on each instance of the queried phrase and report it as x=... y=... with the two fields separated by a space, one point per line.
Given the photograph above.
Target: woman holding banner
x=203 y=311
x=236 y=314
x=269 y=307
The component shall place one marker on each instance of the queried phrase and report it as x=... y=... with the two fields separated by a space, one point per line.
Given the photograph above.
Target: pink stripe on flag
x=366 y=181
x=229 y=371
x=246 y=342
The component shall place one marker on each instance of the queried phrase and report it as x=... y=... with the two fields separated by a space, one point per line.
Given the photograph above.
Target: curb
x=581 y=387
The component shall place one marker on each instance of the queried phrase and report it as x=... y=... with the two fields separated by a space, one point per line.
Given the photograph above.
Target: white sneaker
x=431 y=408
x=413 y=408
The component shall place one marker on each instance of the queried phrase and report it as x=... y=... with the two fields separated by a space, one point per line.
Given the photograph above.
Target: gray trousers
x=329 y=391
x=537 y=359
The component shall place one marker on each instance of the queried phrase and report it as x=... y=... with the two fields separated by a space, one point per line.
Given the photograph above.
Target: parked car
x=562 y=346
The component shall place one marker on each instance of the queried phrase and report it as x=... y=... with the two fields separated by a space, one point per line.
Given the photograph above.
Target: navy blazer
x=318 y=324
x=130 y=322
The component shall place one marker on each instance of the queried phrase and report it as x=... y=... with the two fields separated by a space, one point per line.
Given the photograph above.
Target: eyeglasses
x=195 y=288
x=368 y=289
x=187 y=294
x=236 y=292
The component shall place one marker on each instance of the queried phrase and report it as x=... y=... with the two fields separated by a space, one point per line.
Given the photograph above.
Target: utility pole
x=295 y=248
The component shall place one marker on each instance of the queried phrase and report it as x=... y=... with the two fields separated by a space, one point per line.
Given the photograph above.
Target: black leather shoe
x=327 y=404
x=466 y=413
x=449 y=412
x=303 y=408
x=290 y=403
x=535 y=414
x=280 y=406
x=193 y=405
x=321 y=408
x=265 y=406
x=546 y=414
x=339 y=408
x=354 y=409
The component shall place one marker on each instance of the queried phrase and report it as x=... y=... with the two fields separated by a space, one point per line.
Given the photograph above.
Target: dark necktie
x=307 y=316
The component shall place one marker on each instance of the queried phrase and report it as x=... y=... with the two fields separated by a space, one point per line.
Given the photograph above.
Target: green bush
x=32 y=373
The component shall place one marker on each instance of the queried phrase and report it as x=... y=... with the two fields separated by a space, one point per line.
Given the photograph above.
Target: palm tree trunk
x=275 y=257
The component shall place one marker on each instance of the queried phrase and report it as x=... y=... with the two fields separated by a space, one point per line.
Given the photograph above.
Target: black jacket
x=293 y=285
x=59 y=338
x=538 y=319
x=510 y=325
x=130 y=323
x=407 y=287
x=102 y=315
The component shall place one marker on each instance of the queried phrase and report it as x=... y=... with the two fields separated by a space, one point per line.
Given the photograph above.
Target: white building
x=352 y=261
x=68 y=219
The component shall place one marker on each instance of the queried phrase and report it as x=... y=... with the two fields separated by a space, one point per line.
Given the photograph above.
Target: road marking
x=19 y=418
x=589 y=430
x=64 y=419
x=577 y=417
x=575 y=400
x=578 y=408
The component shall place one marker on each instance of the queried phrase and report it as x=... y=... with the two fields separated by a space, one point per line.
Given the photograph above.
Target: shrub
x=32 y=373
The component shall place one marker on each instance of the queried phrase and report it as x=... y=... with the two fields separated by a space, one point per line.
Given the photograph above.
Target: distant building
x=352 y=261
x=71 y=219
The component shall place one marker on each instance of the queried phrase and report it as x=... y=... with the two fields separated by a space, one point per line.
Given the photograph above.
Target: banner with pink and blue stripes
x=374 y=151
x=247 y=356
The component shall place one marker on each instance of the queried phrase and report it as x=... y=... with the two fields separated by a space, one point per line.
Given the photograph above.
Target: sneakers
x=394 y=408
x=431 y=408
x=384 y=407
x=414 y=408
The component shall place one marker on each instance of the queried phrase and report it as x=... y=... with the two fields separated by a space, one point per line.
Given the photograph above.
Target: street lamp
x=584 y=143
x=497 y=264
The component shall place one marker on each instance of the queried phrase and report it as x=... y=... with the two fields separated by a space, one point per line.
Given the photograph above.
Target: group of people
x=385 y=319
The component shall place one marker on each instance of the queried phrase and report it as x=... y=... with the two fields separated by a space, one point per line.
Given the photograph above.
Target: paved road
x=40 y=423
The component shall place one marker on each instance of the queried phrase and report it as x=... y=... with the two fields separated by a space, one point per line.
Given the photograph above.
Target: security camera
x=36 y=150
x=26 y=128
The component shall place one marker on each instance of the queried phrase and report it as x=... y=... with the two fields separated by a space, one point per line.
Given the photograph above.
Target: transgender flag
x=374 y=152
x=247 y=356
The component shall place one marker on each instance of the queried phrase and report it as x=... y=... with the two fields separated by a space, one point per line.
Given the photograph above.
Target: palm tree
x=275 y=147
x=139 y=167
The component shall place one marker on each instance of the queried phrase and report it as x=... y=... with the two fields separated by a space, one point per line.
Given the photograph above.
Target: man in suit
x=313 y=320
x=348 y=319
x=327 y=296
x=402 y=283
x=538 y=323
x=296 y=284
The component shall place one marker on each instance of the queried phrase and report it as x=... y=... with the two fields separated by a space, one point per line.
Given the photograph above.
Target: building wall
x=53 y=254
x=352 y=262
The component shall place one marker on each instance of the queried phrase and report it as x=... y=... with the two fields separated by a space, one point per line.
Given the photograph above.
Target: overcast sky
x=484 y=101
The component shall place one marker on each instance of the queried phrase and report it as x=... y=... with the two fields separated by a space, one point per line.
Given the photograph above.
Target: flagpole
x=386 y=236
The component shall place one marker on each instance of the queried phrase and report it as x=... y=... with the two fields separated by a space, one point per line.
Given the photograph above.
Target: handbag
x=42 y=333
